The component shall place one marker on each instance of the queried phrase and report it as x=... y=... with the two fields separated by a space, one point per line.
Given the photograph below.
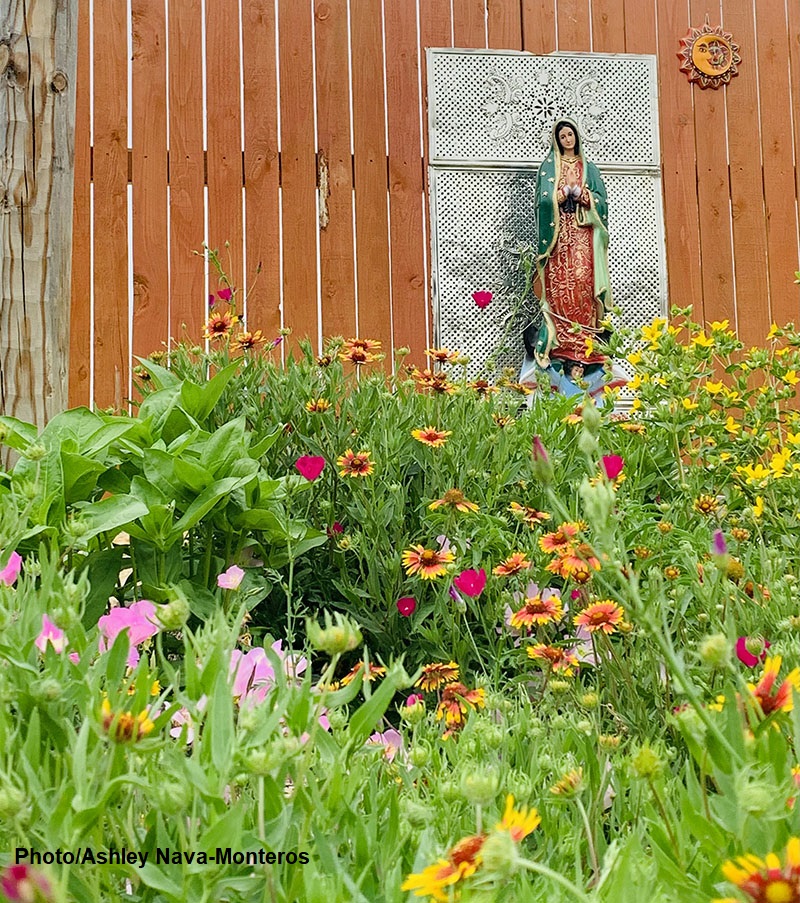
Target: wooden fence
x=291 y=135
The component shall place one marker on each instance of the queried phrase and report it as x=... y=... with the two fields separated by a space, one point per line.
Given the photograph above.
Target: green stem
x=590 y=840
x=543 y=870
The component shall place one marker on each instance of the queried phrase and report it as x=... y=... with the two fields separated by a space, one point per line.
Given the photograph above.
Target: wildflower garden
x=298 y=630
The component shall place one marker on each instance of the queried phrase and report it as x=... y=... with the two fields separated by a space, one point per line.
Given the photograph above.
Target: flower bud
x=647 y=763
x=260 y=761
x=449 y=791
x=414 y=812
x=35 y=452
x=715 y=651
x=48 y=689
x=591 y=417
x=172 y=796
x=542 y=466
x=559 y=686
x=587 y=443
x=590 y=700
x=500 y=855
x=609 y=742
x=519 y=784
x=337 y=718
x=413 y=713
x=420 y=754
x=174 y=614
x=12 y=802
x=338 y=636
x=480 y=785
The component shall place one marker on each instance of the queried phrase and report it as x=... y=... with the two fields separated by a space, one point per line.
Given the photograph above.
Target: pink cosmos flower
x=310 y=466
x=254 y=676
x=471 y=582
x=11 y=571
x=612 y=465
x=22 y=884
x=745 y=656
x=406 y=606
x=138 y=619
x=482 y=299
x=231 y=578
x=50 y=634
x=391 y=741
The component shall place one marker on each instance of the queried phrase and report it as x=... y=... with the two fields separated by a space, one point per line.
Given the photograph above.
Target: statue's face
x=566 y=137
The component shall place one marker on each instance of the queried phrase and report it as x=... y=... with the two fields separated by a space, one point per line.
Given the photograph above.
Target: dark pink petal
x=745 y=656
x=470 y=582
x=612 y=465
x=11 y=571
x=718 y=544
x=407 y=606
x=310 y=466
x=482 y=299
x=225 y=294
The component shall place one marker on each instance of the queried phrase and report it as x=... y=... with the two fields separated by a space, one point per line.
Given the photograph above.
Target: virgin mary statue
x=571 y=269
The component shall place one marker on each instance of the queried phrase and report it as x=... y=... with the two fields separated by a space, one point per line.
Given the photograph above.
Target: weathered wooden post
x=38 y=54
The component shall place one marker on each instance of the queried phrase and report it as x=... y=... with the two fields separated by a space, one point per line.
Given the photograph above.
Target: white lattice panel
x=482 y=185
x=502 y=106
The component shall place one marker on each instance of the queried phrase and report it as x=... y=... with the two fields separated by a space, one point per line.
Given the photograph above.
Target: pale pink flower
x=254 y=676
x=391 y=741
x=11 y=571
x=138 y=619
x=231 y=578
x=50 y=634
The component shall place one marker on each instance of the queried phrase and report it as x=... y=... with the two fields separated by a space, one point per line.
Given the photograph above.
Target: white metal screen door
x=490 y=118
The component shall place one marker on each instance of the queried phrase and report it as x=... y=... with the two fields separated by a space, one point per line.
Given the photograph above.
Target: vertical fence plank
x=505 y=24
x=224 y=130
x=298 y=170
x=794 y=64
x=747 y=191
x=337 y=253
x=713 y=197
x=640 y=26
x=261 y=170
x=678 y=157
x=372 y=232
x=574 y=25
x=186 y=170
x=409 y=298
x=608 y=26
x=776 y=148
x=112 y=352
x=80 y=333
x=469 y=23
x=150 y=258
x=539 y=26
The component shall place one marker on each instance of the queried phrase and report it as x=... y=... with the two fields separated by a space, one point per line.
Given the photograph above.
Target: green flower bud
x=449 y=791
x=519 y=784
x=559 y=686
x=591 y=417
x=420 y=754
x=12 y=802
x=414 y=812
x=480 y=785
x=715 y=651
x=260 y=761
x=587 y=443
x=48 y=689
x=647 y=763
x=585 y=727
x=174 y=614
x=590 y=700
x=35 y=452
x=500 y=855
x=338 y=636
x=338 y=719
x=172 y=796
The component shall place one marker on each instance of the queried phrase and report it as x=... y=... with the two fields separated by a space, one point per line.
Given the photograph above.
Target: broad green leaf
x=111 y=514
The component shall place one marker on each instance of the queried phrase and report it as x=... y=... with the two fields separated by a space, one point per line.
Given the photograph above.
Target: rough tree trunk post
x=38 y=55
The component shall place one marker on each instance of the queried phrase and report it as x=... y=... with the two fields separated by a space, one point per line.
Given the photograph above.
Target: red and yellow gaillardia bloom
x=372 y=673
x=766 y=880
x=563 y=661
x=438 y=880
x=518 y=822
x=436 y=382
x=355 y=464
x=529 y=516
x=427 y=563
x=436 y=674
x=442 y=355
x=765 y=693
x=125 y=727
x=603 y=616
x=429 y=435
x=560 y=540
x=537 y=611
x=246 y=341
x=514 y=564
x=219 y=324
x=317 y=405
x=456 y=702
x=454 y=498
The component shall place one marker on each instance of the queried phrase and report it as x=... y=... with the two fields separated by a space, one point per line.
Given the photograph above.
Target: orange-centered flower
x=775 y=700
x=514 y=564
x=431 y=436
x=529 y=516
x=518 y=822
x=438 y=880
x=563 y=660
x=352 y=464
x=456 y=701
x=428 y=563
x=124 y=727
x=537 y=611
x=372 y=673
x=605 y=616
x=454 y=498
x=317 y=405
x=219 y=324
x=767 y=880
x=559 y=540
x=246 y=341
x=442 y=355
x=436 y=674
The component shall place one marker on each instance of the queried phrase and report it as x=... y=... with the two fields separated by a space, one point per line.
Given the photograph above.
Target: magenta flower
x=310 y=466
x=718 y=544
x=482 y=299
x=470 y=582
x=612 y=466
x=11 y=571
x=407 y=606
x=50 y=634
x=745 y=656
x=230 y=579
x=211 y=301
x=138 y=619
x=22 y=884
x=414 y=698
x=225 y=294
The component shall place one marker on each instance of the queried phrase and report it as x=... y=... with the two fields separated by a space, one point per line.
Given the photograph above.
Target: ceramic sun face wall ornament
x=709 y=56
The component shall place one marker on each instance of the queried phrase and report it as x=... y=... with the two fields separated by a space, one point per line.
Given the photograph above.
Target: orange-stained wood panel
x=777 y=155
x=747 y=187
x=538 y=26
x=337 y=253
x=469 y=23
x=678 y=162
x=112 y=352
x=186 y=171
x=716 y=252
x=410 y=312
x=608 y=26
x=369 y=137
x=505 y=24
x=794 y=64
x=574 y=25
x=224 y=133
x=298 y=170
x=640 y=26
x=261 y=172
x=149 y=142
x=81 y=312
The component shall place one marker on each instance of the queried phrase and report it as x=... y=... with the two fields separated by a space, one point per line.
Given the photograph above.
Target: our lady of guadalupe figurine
x=571 y=271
